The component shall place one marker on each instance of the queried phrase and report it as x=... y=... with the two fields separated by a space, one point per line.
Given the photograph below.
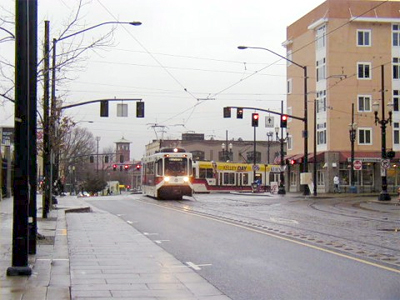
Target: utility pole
x=21 y=166
x=46 y=121
x=32 y=108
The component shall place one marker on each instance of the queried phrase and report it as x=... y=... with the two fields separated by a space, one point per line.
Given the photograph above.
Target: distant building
x=221 y=150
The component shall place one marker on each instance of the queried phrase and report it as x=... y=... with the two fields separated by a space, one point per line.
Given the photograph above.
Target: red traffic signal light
x=239 y=113
x=292 y=161
x=126 y=167
x=254 y=119
x=284 y=119
x=138 y=167
x=114 y=167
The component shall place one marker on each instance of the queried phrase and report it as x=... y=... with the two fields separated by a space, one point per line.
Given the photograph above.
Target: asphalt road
x=250 y=263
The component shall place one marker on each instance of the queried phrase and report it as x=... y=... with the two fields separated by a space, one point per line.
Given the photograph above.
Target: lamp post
x=270 y=134
x=225 y=152
x=384 y=195
x=52 y=121
x=305 y=119
x=97 y=154
x=281 y=189
x=353 y=135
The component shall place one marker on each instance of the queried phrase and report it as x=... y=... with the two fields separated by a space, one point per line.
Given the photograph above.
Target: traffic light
x=138 y=167
x=91 y=159
x=103 y=108
x=254 y=119
x=126 y=167
x=292 y=161
x=139 y=109
x=106 y=159
x=227 y=112
x=114 y=167
x=284 y=121
x=239 y=113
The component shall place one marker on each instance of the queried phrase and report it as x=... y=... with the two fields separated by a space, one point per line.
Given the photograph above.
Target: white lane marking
x=132 y=222
x=196 y=267
x=161 y=241
x=147 y=233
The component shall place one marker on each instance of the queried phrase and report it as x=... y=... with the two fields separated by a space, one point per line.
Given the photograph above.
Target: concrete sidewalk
x=91 y=254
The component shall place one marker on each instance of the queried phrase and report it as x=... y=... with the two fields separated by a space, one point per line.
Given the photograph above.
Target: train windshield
x=176 y=166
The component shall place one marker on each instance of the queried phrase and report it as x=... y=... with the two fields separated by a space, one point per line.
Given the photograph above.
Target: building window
x=289 y=142
x=321 y=134
x=396 y=67
x=121 y=158
x=289 y=57
x=289 y=86
x=321 y=69
x=364 y=38
x=364 y=136
x=396 y=35
x=364 y=103
x=320 y=37
x=198 y=155
x=250 y=157
x=396 y=133
x=396 y=100
x=321 y=101
x=363 y=70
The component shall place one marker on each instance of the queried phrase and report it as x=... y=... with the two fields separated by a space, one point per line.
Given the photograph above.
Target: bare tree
x=76 y=147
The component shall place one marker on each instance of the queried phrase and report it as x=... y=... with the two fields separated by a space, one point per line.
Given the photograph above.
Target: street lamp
x=270 y=134
x=384 y=195
x=353 y=135
x=51 y=123
x=305 y=119
x=282 y=140
x=225 y=152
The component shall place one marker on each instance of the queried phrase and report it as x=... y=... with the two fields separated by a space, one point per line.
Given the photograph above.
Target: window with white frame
x=289 y=142
x=289 y=86
x=321 y=37
x=321 y=134
x=395 y=100
x=396 y=35
x=364 y=38
x=321 y=69
x=396 y=133
x=364 y=103
x=364 y=136
x=321 y=101
x=363 y=70
x=396 y=68
x=289 y=57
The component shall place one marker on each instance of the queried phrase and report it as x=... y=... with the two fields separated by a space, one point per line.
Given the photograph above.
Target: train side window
x=159 y=167
x=206 y=173
x=245 y=179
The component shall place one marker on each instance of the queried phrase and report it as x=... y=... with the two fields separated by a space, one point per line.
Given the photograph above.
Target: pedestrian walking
x=336 y=182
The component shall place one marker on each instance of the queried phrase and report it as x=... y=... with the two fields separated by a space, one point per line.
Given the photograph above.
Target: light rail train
x=168 y=174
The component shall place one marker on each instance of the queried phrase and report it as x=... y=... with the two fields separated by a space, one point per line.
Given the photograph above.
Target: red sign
x=357 y=165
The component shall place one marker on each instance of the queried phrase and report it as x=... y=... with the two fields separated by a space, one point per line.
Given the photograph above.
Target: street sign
x=357 y=165
x=255 y=168
x=385 y=163
x=269 y=121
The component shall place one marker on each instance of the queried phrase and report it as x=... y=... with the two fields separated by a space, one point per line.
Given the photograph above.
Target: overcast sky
x=185 y=51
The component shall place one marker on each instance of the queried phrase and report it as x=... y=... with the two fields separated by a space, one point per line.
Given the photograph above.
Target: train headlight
x=167 y=178
x=186 y=179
